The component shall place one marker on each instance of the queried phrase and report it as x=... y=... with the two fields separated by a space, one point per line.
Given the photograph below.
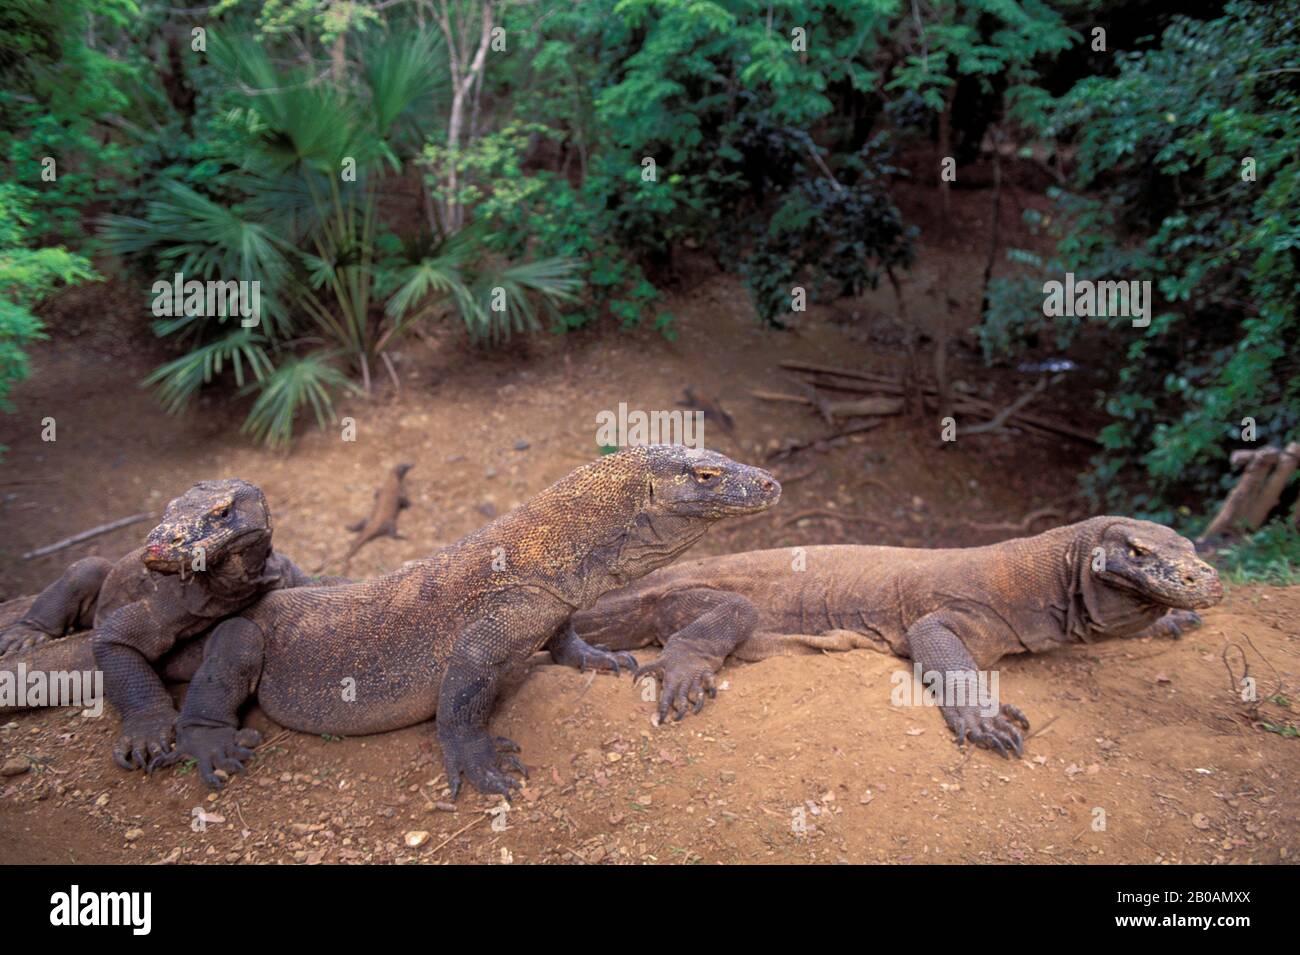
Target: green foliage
x=1160 y=147
x=844 y=237
x=56 y=94
x=295 y=206
x=27 y=275
x=1271 y=555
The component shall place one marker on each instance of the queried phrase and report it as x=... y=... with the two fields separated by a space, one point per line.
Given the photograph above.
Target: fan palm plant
x=298 y=207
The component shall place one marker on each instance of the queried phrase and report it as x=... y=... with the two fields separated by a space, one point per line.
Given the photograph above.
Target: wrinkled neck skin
x=651 y=541
x=239 y=575
x=1099 y=610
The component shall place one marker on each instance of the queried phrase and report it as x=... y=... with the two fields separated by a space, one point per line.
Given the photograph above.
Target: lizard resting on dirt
x=952 y=611
x=390 y=501
x=209 y=558
x=435 y=637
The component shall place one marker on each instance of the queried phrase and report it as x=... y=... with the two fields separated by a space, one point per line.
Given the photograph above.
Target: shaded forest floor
x=1147 y=732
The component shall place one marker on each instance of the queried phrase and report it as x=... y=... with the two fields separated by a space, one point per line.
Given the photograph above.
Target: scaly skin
x=435 y=638
x=953 y=611
x=150 y=600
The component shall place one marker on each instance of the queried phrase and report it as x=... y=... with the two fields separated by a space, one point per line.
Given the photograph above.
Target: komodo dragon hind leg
x=937 y=648
x=570 y=650
x=717 y=623
x=66 y=605
x=208 y=727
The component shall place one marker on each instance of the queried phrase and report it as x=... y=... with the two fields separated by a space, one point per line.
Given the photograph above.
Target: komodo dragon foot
x=1173 y=624
x=991 y=732
x=20 y=636
x=570 y=650
x=687 y=678
x=223 y=748
x=145 y=738
x=484 y=760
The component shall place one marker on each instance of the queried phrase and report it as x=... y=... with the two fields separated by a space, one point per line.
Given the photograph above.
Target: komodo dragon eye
x=221 y=511
x=706 y=475
x=1138 y=549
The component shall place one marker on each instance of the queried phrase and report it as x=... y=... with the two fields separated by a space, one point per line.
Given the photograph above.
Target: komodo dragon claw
x=223 y=748
x=570 y=650
x=990 y=732
x=687 y=683
x=484 y=760
x=21 y=637
x=146 y=738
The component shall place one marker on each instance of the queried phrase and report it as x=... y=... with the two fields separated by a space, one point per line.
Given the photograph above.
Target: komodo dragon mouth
x=1157 y=564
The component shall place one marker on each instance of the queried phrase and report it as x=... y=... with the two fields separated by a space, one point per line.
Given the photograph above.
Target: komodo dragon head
x=1149 y=563
x=626 y=514
x=227 y=523
x=704 y=484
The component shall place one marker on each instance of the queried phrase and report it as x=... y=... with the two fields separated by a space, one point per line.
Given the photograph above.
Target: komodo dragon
x=152 y=598
x=390 y=501
x=435 y=637
x=952 y=611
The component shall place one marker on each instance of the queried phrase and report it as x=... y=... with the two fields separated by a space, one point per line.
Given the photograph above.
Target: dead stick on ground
x=462 y=829
x=781 y=453
x=1041 y=729
x=1022 y=525
x=86 y=535
x=999 y=420
x=834 y=515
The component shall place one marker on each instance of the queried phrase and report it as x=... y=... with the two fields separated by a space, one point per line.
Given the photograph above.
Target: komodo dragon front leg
x=208 y=727
x=126 y=646
x=66 y=605
x=937 y=648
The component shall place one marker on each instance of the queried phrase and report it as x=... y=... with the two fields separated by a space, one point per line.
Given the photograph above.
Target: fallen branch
x=834 y=515
x=86 y=535
x=1022 y=525
x=1258 y=465
x=1257 y=511
x=872 y=406
x=790 y=449
x=999 y=420
x=781 y=396
x=874 y=383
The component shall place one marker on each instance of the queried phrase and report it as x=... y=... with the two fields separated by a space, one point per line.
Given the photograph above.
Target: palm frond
x=177 y=382
x=504 y=299
x=309 y=381
x=202 y=239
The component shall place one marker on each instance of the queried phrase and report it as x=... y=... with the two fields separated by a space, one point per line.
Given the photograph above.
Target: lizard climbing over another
x=390 y=501
x=952 y=611
x=208 y=558
x=435 y=637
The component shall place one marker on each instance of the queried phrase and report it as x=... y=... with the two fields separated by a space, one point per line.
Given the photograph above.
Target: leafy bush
x=843 y=237
x=27 y=275
x=1161 y=148
x=295 y=206
x=1271 y=555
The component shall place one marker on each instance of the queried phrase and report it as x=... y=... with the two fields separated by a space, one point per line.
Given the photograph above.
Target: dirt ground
x=799 y=760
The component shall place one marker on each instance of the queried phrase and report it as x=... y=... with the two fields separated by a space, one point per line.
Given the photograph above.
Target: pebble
x=15 y=766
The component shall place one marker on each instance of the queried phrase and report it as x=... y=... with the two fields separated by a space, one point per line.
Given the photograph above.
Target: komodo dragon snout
x=213 y=519
x=697 y=483
x=1157 y=563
